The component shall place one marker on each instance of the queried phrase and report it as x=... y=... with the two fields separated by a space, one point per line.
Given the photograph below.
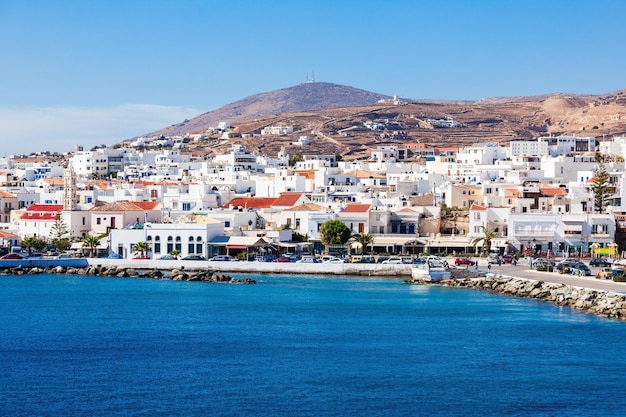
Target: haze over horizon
x=90 y=73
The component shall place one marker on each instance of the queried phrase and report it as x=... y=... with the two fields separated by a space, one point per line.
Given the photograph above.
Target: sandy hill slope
x=333 y=118
x=302 y=97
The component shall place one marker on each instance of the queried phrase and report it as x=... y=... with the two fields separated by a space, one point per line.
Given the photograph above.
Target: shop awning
x=244 y=247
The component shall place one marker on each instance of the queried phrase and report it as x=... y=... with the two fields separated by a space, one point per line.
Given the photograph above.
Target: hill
x=333 y=118
x=302 y=97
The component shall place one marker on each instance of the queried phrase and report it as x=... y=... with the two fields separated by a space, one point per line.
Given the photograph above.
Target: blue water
x=298 y=346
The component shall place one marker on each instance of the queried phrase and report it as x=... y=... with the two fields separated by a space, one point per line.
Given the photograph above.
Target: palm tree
x=141 y=248
x=91 y=242
x=485 y=239
x=365 y=239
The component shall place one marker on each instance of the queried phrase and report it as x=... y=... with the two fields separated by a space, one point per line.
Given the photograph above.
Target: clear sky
x=101 y=71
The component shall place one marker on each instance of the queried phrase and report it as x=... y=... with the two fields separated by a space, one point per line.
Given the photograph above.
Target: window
x=199 y=245
x=186 y=206
x=157 y=244
x=170 y=244
x=476 y=216
x=98 y=220
x=226 y=223
x=190 y=246
x=179 y=244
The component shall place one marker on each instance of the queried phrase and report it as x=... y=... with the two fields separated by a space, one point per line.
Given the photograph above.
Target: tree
x=365 y=239
x=485 y=239
x=34 y=242
x=141 y=248
x=600 y=186
x=59 y=234
x=334 y=232
x=91 y=242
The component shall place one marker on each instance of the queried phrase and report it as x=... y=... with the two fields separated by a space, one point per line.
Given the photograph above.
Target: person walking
x=489 y=267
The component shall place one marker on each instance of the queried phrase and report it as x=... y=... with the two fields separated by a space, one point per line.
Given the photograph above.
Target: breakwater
x=175 y=274
x=602 y=303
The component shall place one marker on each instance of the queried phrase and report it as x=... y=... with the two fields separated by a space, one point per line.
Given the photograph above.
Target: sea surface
x=298 y=346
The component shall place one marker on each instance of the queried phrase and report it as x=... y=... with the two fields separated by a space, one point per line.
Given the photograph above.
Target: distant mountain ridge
x=302 y=97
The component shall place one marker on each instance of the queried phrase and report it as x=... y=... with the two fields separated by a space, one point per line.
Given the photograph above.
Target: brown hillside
x=314 y=110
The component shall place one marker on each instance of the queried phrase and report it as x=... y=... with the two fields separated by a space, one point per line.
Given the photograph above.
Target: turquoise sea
x=298 y=346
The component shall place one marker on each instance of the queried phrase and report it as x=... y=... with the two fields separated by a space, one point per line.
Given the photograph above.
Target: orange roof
x=288 y=198
x=54 y=181
x=308 y=175
x=356 y=208
x=251 y=202
x=553 y=191
x=478 y=207
x=7 y=234
x=7 y=195
x=407 y=209
x=306 y=207
x=127 y=206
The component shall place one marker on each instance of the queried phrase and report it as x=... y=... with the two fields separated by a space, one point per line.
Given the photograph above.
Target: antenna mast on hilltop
x=312 y=80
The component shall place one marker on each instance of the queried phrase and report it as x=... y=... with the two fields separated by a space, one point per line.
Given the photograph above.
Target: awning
x=80 y=245
x=244 y=247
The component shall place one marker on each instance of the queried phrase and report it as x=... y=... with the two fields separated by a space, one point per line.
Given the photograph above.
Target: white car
x=222 y=258
x=307 y=260
x=333 y=261
x=392 y=260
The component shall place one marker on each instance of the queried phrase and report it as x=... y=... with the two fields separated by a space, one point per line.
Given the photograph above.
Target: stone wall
x=601 y=303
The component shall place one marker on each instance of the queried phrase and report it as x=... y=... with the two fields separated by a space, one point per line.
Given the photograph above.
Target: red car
x=12 y=256
x=282 y=259
x=463 y=261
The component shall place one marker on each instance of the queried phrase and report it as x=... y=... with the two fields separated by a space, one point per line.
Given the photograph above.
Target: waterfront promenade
x=521 y=270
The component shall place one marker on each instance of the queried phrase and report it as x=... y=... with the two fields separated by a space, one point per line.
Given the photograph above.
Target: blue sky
x=98 y=72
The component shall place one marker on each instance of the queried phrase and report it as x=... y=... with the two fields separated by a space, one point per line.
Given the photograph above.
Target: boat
x=432 y=269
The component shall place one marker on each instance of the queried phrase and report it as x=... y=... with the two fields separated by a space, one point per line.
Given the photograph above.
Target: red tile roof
x=552 y=191
x=251 y=202
x=287 y=199
x=38 y=216
x=7 y=195
x=54 y=181
x=127 y=206
x=478 y=207
x=51 y=208
x=356 y=208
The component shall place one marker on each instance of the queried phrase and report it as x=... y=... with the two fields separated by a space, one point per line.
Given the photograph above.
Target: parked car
x=333 y=260
x=543 y=263
x=507 y=259
x=114 y=256
x=566 y=264
x=392 y=260
x=306 y=259
x=605 y=273
x=580 y=269
x=364 y=259
x=600 y=262
x=194 y=258
x=283 y=259
x=12 y=256
x=494 y=259
x=167 y=258
x=141 y=258
x=222 y=258
x=463 y=261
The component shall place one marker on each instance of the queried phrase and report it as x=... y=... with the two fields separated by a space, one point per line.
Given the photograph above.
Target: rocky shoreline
x=176 y=274
x=602 y=303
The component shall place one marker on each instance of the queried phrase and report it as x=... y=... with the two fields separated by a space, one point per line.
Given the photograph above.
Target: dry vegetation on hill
x=340 y=130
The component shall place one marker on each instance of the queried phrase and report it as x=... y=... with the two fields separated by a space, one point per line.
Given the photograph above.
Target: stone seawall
x=177 y=274
x=601 y=303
